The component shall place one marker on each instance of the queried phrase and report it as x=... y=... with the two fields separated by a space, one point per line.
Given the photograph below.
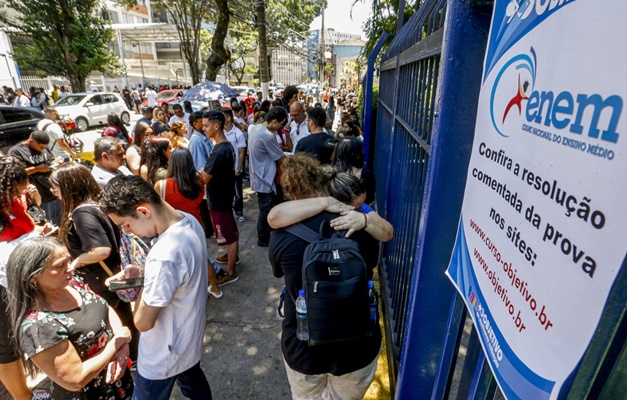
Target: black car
x=16 y=124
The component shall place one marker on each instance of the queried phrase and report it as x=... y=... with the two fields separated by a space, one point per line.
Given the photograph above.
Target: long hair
x=349 y=153
x=187 y=107
x=153 y=155
x=346 y=187
x=114 y=120
x=140 y=133
x=27 y=260
x=77 y=186
x=12 y=172
x=181 y=169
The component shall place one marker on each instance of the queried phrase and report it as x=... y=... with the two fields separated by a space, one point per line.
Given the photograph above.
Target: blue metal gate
x=428 y=92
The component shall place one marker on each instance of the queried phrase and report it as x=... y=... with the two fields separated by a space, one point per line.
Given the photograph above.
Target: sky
x=337 y=16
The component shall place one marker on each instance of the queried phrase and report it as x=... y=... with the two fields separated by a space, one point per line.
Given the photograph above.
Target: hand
x=43 y=168
x=287 y=128
x=238 y=173
x=32 y=190
x=121 y=338
x=75 y=264
x=117 y=365
x=117 y=277
x=350 y=220
x=336 y=206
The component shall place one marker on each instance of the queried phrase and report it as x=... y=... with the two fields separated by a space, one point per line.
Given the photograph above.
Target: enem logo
x=515 y=89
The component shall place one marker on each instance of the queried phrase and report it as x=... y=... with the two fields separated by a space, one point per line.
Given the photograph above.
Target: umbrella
x=208 y=90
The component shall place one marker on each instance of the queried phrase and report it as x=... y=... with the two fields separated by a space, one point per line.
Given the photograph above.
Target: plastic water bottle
x=302 y=330
x=374 y=303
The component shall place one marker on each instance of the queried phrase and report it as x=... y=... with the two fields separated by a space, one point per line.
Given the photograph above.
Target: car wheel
x=126 y=118
x=81 y=124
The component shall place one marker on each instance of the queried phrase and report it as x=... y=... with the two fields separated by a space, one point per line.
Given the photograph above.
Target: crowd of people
x=156 y=193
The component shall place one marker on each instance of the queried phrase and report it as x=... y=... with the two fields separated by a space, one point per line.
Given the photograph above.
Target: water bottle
x=374 y=303
x=302 y=330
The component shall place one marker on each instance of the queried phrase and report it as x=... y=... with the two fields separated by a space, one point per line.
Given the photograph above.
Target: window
x=110 y=98
x=13 y=115
x=127 y=19
x=113 y=16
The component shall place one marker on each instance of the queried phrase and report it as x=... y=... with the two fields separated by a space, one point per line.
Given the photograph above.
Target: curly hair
x=12 y=172
x=302 y=176
x=77 y=186
x=153 y=155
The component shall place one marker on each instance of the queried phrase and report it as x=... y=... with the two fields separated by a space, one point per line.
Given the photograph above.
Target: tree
x=218 y=55
x=69 y=38
x=384 y=18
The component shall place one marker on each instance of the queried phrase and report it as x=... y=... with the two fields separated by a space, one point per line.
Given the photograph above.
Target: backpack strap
x=43 y=128
x=303 y=232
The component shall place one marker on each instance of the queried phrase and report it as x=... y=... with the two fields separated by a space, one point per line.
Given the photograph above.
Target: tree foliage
x=384 y=18
x=69 y=38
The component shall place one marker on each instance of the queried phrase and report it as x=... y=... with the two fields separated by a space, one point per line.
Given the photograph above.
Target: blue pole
x=368 y=91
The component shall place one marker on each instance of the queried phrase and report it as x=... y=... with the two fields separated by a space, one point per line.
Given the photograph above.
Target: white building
x=286 y=66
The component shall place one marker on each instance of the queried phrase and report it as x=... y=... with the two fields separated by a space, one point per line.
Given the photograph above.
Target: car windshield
x=71 y=100
x=165 y=95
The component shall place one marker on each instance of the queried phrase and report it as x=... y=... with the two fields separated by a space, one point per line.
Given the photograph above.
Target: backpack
x=335 y=279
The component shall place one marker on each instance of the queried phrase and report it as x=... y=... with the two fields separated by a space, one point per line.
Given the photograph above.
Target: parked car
x=167 y=96
x=91 y=109
x=16 y=124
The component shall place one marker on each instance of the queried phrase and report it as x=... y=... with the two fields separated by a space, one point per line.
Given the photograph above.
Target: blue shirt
x=200 y=147
x=365 y=208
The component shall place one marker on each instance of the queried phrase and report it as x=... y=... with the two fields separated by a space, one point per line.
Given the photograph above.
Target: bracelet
x=366 y=221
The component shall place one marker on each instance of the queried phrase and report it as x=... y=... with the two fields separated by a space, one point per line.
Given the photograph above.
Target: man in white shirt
x=151 y=96
x=57 y=146
x=171 y=308
x=21 y=100
x=179 y=115
x=238 y=141
x=297 y=129
x=109 y=157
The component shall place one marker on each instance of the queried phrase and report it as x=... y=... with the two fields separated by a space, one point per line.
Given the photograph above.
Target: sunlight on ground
x=380 y=387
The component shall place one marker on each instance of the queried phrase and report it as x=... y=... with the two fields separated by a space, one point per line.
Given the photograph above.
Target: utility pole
x=322 y=52
x=264 y=74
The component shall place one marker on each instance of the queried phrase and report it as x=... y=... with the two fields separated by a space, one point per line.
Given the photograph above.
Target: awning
x=147 y=33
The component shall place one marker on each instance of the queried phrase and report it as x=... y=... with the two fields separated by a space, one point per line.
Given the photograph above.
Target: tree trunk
x=218 y=55
x=77 y=82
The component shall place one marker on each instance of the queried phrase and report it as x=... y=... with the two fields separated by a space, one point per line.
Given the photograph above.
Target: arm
x=158 y=186
x=39 y=168
x=93 y=256
x=132 y=160
x=13 y=379
x=61 y=143
x=143 y=172
x=145 y=316
x=34 y=194
x=289 y=146
x=377 y=227
x=240 y=161
x=117 y=365
x=205 y=177
x=295 y=211
x=63 y=365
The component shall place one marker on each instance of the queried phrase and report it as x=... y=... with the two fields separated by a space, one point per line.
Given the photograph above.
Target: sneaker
x=261 y=244
x=226 y=279
x=240 y=216
x=224 y=259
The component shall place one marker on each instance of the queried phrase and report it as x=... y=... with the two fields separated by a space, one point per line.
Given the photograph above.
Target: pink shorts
x=224 y=227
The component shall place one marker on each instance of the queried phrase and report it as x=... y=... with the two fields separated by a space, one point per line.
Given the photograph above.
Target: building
x=345 y=71
x=331 y=39
x=286 y=67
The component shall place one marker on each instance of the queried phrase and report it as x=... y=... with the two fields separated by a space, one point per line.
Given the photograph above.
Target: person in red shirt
x=14 y=221
x=250 y=103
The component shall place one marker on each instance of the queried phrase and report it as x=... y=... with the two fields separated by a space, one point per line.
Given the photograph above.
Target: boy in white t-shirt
x=170 y=311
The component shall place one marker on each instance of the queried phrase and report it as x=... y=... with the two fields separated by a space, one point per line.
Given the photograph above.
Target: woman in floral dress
x=64 y=329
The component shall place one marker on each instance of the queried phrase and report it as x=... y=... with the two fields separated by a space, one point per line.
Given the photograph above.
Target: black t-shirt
x=34 y=158
x=314 y=145
x=221 y=187
x=286 y=256
x=90 y=229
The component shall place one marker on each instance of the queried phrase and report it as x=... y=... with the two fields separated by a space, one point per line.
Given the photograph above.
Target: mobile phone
x=126 y=284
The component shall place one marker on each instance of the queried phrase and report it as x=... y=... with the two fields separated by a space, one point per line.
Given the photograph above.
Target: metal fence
x=428 y=95
x=46 y=83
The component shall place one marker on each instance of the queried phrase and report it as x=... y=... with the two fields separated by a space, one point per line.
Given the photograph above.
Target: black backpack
x=335 y=279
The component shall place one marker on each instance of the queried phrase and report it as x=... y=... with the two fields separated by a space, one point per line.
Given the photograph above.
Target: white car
x=91 y=109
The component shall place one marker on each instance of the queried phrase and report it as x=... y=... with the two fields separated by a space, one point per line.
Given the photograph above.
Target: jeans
x=192 y=382
x=238 y=204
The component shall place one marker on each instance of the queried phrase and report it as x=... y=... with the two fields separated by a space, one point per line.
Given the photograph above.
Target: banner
x=542 y=234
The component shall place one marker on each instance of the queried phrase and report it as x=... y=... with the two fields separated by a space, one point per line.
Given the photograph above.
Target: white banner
x=542 y=233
